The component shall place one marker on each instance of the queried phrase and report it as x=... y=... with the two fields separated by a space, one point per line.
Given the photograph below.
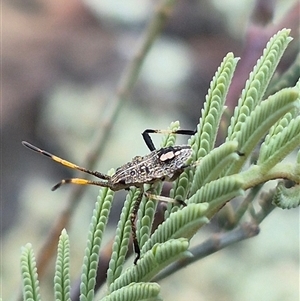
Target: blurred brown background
x=61 y=64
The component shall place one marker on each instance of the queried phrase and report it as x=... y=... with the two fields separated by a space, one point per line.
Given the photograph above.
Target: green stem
x=254 y=176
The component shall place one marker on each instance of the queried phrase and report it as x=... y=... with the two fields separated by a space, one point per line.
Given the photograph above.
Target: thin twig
x=215 y=243
x=244 y=205
x=266 y=206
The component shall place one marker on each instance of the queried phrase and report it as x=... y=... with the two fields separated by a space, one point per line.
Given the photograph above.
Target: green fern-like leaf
x=182 y=188
x=62 y=271
x=267 y=113
x=287 y=79
x=135 y=292
x=182 y=223
x=286 y=198
x=215 y=162
x=260 y=120
x=277 y=129
x=203 y=141
x=258 y=80
x=120 y=246
x=91 y=258
x=217 y=193
x=31 y=290
x=279 y=126
x=167 y=253
x=279 y=147
x=152 y=262
x=146 y=216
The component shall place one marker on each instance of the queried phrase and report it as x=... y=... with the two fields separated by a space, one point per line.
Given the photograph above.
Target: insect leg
x=164 y=199
x=133 y=226
x=65 y=162
x=149 y=141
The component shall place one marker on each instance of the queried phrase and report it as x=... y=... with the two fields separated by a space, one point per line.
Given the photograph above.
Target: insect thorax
x=166 y=164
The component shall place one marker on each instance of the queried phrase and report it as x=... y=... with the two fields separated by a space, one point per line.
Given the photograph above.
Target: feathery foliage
x=258 y=80
x=31 y=290
x=203 y=141
x=122 y=237
x=215 y=175
x=286 y=198
x=91 y=257
x=135 y=292
x=62 y=273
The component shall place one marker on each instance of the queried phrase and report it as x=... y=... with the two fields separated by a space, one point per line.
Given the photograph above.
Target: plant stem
x=215 y=243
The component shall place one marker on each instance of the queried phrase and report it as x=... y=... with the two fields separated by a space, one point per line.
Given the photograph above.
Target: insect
x=164 y=164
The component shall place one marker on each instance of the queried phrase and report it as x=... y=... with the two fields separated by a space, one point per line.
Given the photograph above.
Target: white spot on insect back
x=167 y=156
x=178 y=153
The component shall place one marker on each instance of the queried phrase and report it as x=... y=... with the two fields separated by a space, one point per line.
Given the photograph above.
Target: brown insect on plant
x=164 y=164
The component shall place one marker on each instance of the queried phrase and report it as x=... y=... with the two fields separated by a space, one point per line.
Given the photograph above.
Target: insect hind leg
x=164 y=198
x=149 y=142
x=133 y=216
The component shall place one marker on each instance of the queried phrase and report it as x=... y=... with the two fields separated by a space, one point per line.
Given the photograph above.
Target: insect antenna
x=73 y=166
x=80 y=181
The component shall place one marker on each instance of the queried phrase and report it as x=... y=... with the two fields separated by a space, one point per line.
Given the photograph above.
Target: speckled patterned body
x=165 y=164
